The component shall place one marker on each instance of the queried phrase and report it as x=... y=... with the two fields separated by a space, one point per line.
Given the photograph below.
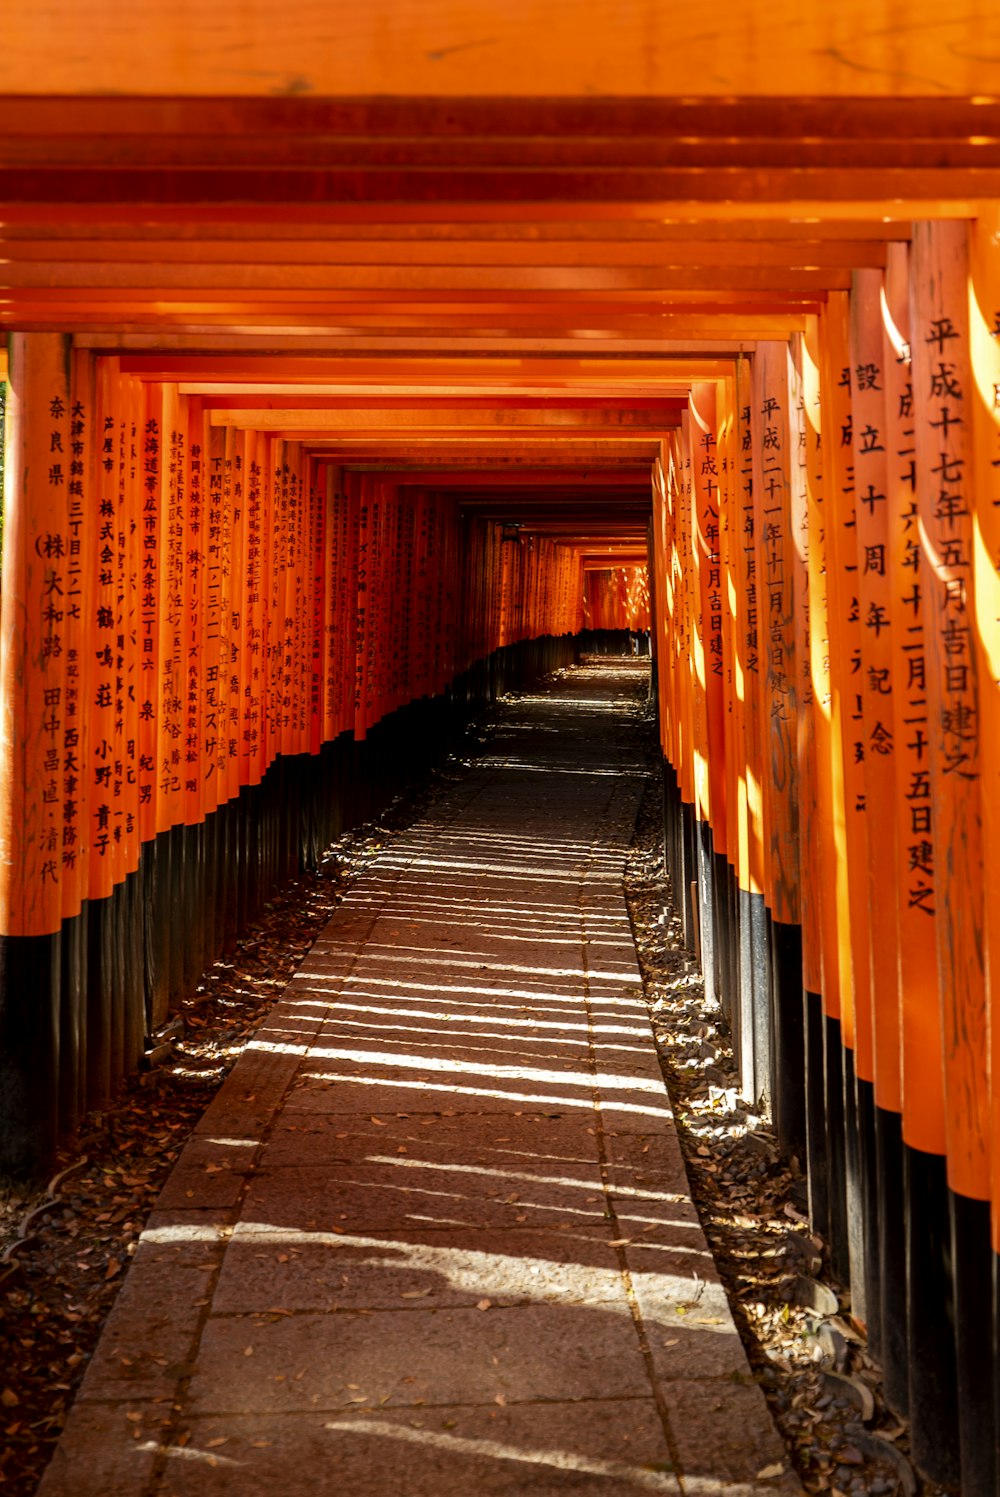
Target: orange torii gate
x=328 y=395
x=189 y=610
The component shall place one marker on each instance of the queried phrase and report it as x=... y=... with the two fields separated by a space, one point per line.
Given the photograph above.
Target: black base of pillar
x=723 y=931
x=689 y=873
x=972 y=1269
x=706 y=906
x=837 y=1224
x=862 y=1203
x=817 y=1163
x=757 y=1087
x=872 y=1207
x=671 y=834
x=30 y=996
x=741 y=1018
x=788 y=1103
x=730 y=976
x=854 y=1194
x=930 y=1318
x=892 y=1259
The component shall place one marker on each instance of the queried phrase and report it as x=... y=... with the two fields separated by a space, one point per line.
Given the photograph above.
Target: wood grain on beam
x=454 y=48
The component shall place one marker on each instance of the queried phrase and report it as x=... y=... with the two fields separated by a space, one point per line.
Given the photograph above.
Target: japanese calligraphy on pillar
x=172 y=444
x=853 y=680
x=58 y=606
x=253 y=604
x=802 y=473
x=108 y=664
x=942 y=393
x=194 y=610
x=80 y=532
x=234 y=588
x=871 y=444
x=776 y=579
x=139 y=450
x=921 y=1084
x=317 y=620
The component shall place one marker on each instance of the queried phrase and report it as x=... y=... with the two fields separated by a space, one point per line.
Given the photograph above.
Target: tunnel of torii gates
x=361 y=365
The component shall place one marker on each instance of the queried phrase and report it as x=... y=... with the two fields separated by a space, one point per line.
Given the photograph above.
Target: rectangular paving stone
x=536 y=1145
x=265 y=1267
x=210 y=1172
x=320 y=1090
x=612 y=1448
x=246 y=1103
x=381 y=1197
x=725 y=1437
x=102 y=1450
x=414 y=1358
x=458 y=1048
x=655 y=1158
x=145 y=1348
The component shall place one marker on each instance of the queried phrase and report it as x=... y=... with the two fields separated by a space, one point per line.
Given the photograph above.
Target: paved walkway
x=433 y=1237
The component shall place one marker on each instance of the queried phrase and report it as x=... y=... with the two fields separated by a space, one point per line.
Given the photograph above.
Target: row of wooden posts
x=217 y=652
x=183 y=602
x=826 y=542
x=190 y=608
x=616 y=598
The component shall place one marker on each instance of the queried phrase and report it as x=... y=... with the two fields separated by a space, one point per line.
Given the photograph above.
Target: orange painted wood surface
x=984 y=322
x=874 y=738
x=943 y=395
x=184 y=600
x=633 y=48
x=913 y=878
x=803 y=458
x=38 y=628
x=776 y=603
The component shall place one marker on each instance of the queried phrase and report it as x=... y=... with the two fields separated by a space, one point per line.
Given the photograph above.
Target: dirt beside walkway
x=434 y=1233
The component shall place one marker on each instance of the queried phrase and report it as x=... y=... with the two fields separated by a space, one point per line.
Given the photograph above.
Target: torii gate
x=302 y=315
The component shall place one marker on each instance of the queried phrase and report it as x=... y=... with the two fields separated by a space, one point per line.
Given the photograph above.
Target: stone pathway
x=434 y=1237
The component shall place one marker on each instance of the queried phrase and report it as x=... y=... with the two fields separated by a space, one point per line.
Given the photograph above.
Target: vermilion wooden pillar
x=943 y=396
x=822 y=980
x=778 y=1020
x=751 y=626
x=41 y=622
x=701 y=435
x=984 y=329
x=874 y=742
x=850 y=1036
x=984 y=332
x=921 y=1125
